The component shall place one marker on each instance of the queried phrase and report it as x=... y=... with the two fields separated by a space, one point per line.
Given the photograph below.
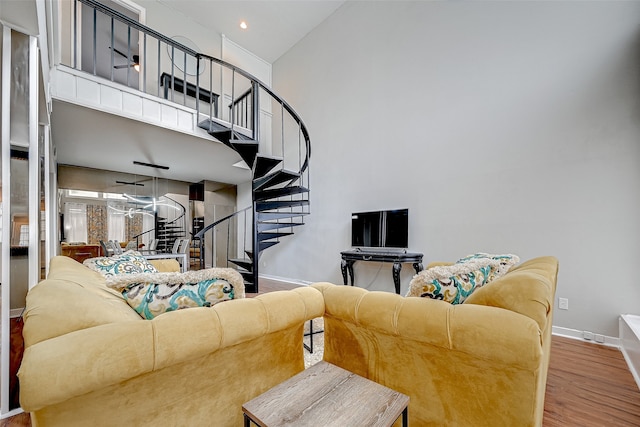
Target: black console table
x=173 y=82
x=397 y=258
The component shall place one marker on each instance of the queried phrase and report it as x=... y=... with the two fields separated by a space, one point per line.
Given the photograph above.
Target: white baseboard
x=285 y=280
x=579 y=335
x=11 y=413
x=16 y=312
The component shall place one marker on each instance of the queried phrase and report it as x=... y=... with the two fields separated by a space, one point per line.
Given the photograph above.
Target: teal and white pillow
x=506 y=261
x=455 y=283
x=130 y=262
x=152 y=294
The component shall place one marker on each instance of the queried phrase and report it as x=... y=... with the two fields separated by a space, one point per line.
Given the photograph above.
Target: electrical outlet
x=599 y=338
x=563 y=303
x=587 y=335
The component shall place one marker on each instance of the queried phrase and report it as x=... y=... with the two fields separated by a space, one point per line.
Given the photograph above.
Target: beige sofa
x=90 y=359
x=480 y=363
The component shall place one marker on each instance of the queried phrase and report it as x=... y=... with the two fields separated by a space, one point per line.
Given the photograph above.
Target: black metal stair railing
x=266 y=132
x=165 y=230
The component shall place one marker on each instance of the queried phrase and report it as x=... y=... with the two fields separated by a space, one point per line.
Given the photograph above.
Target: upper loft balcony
x=121 y=88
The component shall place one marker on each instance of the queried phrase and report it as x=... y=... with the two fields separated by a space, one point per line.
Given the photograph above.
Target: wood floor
x=588 y=385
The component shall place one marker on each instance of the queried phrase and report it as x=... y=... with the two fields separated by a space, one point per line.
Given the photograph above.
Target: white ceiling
x=274 y=27
x=94 y=139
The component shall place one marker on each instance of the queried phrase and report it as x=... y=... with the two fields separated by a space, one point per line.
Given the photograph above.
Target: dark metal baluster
x=197 y=88
x=211 y=89
x=184 y=79
x=94 y=40
x=128 y=53
x=255 y=110
x=173 y=78
x=300 y=156
x=143 y=66
x=75 y=34
x=112 y=46
x=282 y=131
x=233 y=99
x=159 y=69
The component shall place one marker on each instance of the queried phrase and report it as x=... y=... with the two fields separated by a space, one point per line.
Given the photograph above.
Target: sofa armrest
x=528 y=289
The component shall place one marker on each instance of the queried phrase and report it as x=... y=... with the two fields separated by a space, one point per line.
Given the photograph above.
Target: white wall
x=502 y=126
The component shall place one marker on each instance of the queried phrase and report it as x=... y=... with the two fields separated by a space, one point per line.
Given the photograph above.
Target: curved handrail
x=285 y=104
x=184 y=210
x=201 y=233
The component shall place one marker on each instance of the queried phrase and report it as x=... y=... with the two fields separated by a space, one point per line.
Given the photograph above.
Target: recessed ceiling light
x=243 y=25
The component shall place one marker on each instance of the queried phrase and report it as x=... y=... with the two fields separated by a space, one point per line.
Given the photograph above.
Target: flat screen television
x=380 y=229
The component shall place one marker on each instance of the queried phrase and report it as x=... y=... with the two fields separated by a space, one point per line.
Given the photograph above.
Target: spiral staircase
x=256 y=117
x=280 y=198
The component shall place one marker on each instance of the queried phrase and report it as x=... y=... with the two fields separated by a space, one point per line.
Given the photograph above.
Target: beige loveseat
x=91 y=360
x=480 y=363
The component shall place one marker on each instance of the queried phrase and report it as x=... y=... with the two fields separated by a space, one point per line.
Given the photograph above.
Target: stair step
x=245 y=263
x=227 y=135
x=211 y=126
x=264 y=226
x=269 y=236
x=247 y=276
x=279 y=204
x=274 y=179
x=266 y=245
x=268 y=216
x=264 y=164
x=247 y=150
x=274 y=193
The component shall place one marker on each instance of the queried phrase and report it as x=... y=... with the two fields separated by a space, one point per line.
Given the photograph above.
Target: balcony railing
x=113 y=46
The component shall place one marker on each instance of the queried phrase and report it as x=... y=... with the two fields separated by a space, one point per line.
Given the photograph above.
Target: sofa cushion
x=151 y=294
x=130 y=262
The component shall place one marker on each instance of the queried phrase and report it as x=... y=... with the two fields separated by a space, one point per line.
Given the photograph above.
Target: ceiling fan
x=134 y=61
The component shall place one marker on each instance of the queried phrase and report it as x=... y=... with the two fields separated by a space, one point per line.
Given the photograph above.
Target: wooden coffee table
x=326 y=395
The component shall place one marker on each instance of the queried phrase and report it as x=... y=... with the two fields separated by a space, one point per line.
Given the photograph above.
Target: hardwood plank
x=589 y=385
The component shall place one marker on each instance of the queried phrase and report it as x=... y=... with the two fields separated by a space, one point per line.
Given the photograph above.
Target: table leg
x=396 y=276
x=405 y=417
x=343 y=268
x=350 y=268
x=247 y=420
x=347 y=266
x=417 y=266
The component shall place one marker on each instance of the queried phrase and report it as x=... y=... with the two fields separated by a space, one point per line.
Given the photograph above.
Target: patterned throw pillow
x=506 y=261
x=152 y=294
x=454 y=283
x=129 y=262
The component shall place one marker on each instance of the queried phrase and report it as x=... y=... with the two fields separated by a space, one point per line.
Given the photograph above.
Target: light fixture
x=136 y=67
x=150 y=165
x=243 y=25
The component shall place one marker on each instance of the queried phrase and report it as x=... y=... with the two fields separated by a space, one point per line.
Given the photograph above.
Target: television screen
x=380 y=229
